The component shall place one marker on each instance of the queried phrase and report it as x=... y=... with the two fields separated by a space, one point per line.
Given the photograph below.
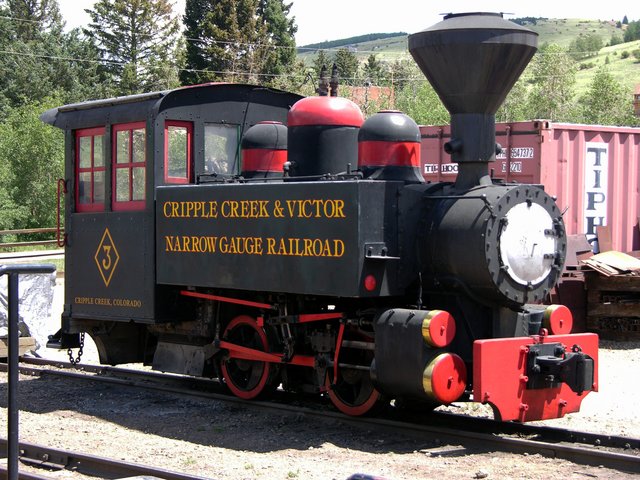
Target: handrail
x=61 y=238
x=13 y=271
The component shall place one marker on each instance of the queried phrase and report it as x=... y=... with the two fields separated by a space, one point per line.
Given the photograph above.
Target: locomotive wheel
x=353 y=394
x=248 y=379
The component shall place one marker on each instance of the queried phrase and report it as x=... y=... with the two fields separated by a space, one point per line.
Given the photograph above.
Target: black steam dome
x=473 y=59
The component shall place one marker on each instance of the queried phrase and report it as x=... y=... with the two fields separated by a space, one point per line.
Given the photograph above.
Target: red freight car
x=593 y=170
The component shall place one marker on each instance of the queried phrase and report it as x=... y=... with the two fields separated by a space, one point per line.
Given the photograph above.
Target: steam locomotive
x=270 y=240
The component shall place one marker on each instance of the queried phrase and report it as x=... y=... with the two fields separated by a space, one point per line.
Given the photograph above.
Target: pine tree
x=35 y=64
x=321 y=60
x=35 y=16
x=195 y=60
x=347 y=63
x=238 y=40
x=373 y=70
x=137 y=38
x=279 y=44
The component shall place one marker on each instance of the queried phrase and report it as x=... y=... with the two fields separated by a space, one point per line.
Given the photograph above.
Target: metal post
x=14 y=339
x=14 y=352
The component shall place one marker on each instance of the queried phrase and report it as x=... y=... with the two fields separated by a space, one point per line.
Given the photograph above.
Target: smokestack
x=472 y=61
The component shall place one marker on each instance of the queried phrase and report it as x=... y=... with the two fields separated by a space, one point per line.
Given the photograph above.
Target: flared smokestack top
x=473 y=59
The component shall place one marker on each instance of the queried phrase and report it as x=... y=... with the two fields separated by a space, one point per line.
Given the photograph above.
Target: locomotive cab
x=118 y=152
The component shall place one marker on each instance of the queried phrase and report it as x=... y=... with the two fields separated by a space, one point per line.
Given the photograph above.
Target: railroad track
x=616 y=452
x=54 y=459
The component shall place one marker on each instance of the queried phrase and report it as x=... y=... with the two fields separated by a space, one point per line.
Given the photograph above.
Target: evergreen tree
x=321 y=60
x=43 y=61
x=224 y=41
x=249 y=41
x=373 y=70
x=347 y=63
x=137 y=38
x=279 y=45
x=35 y=16
x=195 y=60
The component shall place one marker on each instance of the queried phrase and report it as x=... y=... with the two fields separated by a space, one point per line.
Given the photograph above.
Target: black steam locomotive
x=250 y=234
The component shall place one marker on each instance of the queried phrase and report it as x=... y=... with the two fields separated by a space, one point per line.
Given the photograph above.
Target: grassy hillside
x=558 y=31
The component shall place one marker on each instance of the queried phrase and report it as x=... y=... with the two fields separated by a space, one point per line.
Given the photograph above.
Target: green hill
x=621 y=62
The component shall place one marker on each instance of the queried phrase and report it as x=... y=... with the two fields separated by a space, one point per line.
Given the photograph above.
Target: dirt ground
x=220 y=441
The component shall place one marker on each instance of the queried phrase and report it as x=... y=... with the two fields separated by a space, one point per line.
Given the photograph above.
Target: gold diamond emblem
x=107 y=257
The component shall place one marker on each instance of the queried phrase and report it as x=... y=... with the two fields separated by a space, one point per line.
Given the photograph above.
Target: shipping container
x=592 y=170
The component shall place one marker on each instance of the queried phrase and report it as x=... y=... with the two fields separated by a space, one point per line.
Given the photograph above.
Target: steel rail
x=86 y=464
x=579 y=447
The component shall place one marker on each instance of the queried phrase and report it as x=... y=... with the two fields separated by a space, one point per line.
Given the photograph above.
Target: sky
x=320 y=20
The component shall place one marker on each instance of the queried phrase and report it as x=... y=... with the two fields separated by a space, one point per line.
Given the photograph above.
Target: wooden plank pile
x=613 y=295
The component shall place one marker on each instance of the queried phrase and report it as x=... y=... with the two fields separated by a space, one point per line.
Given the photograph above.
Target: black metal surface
x=401 y=354
x=472 y=60
x=548 y=366
x=462 y=251
x=303 y=237
x=322 y=149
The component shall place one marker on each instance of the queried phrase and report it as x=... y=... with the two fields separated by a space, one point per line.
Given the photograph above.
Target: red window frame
x=130 y=204
x=189 y=127
x=92 y=206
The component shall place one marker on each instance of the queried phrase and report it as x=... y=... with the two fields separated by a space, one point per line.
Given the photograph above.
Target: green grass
x=625 y=70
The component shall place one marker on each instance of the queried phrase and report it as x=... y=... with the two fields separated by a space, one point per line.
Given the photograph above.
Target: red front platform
x=499 y=378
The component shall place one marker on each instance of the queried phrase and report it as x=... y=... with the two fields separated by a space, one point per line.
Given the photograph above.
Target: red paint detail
x=442 y=329
x=335 y=357
x=370 y=283
x=218 y=298
x=329 y=111
x=318 y=317
x=375 y=153
x=499 y=364
x=92 y=206
x=244 y=353
x=244 y=320
x=189 y=147
x=128 y=167
x=448 y=377
x=263 y=160
x=348 y=409
x=560 y=320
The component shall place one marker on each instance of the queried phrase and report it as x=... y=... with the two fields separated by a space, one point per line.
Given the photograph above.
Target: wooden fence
x=26 y=232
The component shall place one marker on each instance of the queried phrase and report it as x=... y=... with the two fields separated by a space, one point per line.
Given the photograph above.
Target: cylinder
x=323 y=136
x=389 y=148
x=409 y=362
x=264 y=150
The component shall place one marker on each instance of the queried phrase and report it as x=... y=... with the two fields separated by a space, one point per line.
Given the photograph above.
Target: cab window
x=90 y=170
x=129 y=165
x=221 y=149
x=177 y=151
